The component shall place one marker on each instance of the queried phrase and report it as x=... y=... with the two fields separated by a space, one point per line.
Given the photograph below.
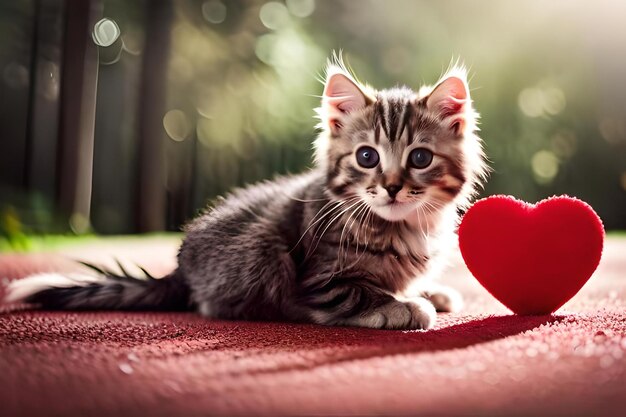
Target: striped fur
x=339 y=245
x=103 y=291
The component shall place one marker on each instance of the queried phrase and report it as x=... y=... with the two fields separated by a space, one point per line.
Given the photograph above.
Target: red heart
x=532 y=257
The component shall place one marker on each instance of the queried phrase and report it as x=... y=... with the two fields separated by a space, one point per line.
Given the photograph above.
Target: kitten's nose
x=393 y=189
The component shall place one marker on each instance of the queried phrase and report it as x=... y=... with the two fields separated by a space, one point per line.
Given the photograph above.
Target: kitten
x=341 y=244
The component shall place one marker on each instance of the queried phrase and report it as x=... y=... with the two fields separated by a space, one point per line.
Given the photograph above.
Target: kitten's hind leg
x=344 y=302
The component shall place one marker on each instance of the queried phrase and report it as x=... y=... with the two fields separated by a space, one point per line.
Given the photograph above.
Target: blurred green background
x=133 y=123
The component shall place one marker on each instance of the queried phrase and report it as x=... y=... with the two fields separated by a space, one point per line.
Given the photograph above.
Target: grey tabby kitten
x=355 y=241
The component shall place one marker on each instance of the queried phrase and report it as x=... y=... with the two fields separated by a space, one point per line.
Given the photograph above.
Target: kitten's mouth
x=393 y=203
x=393 y=210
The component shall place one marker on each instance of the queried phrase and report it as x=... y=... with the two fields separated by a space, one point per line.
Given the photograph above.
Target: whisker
x=313 y=221
x=344 y=202
x=342 y=253
x=328 y=226
x=368 y=218
x=419 y=220
x=343 y=229
x=305 y=201
x=358 y=230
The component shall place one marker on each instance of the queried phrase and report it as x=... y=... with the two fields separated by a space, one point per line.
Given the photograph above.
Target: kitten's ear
x=341 y=96
x=450 y=99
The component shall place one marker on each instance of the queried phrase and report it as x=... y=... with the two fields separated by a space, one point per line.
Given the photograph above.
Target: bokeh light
x=177 y=125
x=553 y=100
x=274 y=15
x=265 y=47
x=15 y=75
x=536 y=101
x=105 y=32
x=133 y=41
x=564 y=144
x=530 y=101
x=545 y=166
x=613 y=130
x=214 y=11
x=301 y=8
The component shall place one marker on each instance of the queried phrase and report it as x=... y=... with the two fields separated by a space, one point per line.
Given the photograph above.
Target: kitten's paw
x=423 y=313
x=445 y=299
x=416 y=313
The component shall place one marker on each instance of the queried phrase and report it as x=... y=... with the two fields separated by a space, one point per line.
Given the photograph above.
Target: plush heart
x=532 y=257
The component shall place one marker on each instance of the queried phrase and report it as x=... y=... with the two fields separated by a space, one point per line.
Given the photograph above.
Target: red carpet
x=482 y=361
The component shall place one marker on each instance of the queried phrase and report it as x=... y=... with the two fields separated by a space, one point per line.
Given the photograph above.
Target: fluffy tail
x=104 y=291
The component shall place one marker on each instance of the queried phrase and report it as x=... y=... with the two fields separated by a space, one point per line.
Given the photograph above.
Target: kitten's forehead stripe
x=392 y=118
x=386 y=115
x=380 y=114
x=397 y=112
x=376 y=130
x=406 y=122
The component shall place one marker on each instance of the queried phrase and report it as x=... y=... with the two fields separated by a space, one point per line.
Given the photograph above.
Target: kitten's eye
x=420 y=158
x=367 y=157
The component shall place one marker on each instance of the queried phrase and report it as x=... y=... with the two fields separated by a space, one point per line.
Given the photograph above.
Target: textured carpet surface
x=482 y=361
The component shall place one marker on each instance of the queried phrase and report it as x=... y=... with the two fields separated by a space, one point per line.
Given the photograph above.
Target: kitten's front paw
x=415 y=313
x=423 y=313
x=445 y=299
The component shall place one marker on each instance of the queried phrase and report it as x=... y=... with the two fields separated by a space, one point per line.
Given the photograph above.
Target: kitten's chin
x=395 y=212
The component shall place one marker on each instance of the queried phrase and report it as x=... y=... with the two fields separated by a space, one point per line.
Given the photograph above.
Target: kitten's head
x=399 y=150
